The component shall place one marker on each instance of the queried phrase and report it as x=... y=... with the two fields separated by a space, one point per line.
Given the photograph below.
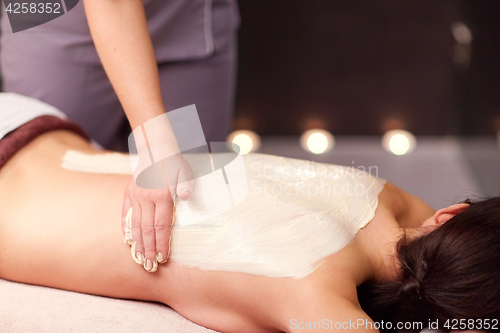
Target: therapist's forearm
x=122 y=40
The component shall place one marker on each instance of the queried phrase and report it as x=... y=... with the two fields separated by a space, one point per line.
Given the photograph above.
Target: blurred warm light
x=313 y=123
x=496 y=123
x=392 y=124
x=496 y=127
x=399 y=142
x=461 y=33
x=317 y=141
x=248 y=141
x=243 y=122
x=460 y=55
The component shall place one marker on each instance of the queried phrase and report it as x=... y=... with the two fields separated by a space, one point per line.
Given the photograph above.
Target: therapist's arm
x=122 y=40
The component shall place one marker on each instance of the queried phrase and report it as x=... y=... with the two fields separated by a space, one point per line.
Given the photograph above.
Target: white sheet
x=17 y=110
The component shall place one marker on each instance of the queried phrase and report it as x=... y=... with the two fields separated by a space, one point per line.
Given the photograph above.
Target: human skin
x=120 y=34
x=61 y=229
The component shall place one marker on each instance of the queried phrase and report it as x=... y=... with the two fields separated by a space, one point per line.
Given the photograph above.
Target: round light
x=317 y=141
x=399 y=142
x=461 y=33
x=248 y=141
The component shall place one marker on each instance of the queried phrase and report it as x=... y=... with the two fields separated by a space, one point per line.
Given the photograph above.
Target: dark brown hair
x=452 y=272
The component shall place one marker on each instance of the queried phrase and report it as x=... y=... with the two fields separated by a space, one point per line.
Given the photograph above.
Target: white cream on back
x=296 y=213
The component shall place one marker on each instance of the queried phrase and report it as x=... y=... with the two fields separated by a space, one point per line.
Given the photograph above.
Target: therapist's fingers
x=148 y=233
x=172 y=175
x=136 y=224
x=163 y=223
x=126 y=215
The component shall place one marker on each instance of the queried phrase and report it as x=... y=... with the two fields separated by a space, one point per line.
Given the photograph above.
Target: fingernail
x=186 y=190
x=128 y=218
x=169 y=246
x=128 y=239
x=161 y=259
x=138 y=257
x=150 y=265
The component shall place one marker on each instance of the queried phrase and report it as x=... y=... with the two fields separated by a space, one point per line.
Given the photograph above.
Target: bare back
x=61 y=229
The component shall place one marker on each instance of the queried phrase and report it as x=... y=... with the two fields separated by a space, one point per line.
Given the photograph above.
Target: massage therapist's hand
x=151 y=217
x=120 y=33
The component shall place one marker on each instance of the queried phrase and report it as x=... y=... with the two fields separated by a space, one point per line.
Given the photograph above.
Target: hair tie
x=412 y=286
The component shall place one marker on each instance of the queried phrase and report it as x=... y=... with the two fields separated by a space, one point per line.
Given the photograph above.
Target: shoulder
x=409 y=210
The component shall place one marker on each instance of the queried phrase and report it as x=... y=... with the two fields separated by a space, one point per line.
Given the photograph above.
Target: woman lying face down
x=449 y=269
x=61 y=229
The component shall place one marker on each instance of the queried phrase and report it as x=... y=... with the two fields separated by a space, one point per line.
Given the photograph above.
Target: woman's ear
x=443 y=215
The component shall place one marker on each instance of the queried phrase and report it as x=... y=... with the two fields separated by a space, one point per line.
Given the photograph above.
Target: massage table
x=27 y=308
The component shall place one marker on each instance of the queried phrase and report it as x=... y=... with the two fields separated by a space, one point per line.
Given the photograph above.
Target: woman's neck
x=379 y=244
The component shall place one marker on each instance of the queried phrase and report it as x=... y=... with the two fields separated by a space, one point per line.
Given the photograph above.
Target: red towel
x=20 y=137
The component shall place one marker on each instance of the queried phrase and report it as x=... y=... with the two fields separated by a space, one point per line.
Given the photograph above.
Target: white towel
x=17 y=110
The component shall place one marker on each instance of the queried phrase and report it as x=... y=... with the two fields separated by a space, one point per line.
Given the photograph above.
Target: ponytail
x=452 y=272
x=400 y=300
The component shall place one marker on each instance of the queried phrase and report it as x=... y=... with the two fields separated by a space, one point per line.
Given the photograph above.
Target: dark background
x=351 y=66
x=361 y=67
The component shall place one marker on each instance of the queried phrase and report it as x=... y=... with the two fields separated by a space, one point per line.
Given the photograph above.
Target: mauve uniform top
x=179 y=29
x=195 y=47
